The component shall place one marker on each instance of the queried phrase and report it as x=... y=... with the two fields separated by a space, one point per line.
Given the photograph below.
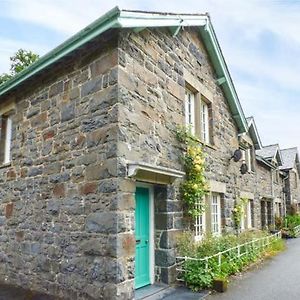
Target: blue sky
x=260 y=40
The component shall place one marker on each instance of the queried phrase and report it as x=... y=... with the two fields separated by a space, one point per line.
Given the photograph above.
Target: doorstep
x=165 y=292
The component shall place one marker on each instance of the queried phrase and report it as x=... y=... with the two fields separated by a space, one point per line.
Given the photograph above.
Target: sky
x=260 y=40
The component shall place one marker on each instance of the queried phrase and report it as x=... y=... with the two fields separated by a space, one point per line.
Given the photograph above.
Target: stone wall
x=153 y=73
x=292 y=190
x=63 y=219
x=67 y=206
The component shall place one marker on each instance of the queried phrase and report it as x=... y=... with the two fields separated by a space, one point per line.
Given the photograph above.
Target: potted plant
x=220 y=284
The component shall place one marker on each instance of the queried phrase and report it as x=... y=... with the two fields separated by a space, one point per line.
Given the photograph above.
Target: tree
x=20 y=61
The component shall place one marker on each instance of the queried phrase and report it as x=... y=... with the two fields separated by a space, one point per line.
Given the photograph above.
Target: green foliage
x=289 y=224
x=277 y=246
x=292 y=220
x=4 y=77
x=278 y=223
x=238 y=212
x=20 y=61
x=194 y=186
x=199 y=274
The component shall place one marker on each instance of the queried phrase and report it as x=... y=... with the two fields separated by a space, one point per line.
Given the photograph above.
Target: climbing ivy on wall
x=194 y=187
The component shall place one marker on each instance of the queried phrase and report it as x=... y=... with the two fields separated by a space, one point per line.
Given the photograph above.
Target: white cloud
x=9 y=47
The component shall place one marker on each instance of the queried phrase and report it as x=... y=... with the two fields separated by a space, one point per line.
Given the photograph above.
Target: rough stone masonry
x=67 y=205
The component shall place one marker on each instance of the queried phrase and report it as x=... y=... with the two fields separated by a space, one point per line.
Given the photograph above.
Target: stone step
x=165 y=292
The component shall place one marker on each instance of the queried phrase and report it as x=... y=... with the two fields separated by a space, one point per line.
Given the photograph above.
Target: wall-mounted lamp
x=244 y=168
x=237 y=155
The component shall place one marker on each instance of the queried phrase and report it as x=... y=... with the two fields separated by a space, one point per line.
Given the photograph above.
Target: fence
x=235 y=252
x=297 y=230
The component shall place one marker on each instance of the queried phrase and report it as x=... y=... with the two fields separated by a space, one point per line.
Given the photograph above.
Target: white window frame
x=243 y=218
x=190 y=110
x=249 y=215
x=204 y=112
x=200 y=224
x=215 y=214
x=249 y=159
x=8 y=134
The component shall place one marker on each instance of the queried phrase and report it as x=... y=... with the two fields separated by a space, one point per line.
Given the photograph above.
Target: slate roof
x=289 y=157
x=268 y=152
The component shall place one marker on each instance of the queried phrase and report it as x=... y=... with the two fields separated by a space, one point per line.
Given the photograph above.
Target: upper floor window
x=277 y=176
x=205 y=128
x=190 y=110
x=5 y=139
x=248 y=158
x=198 y=115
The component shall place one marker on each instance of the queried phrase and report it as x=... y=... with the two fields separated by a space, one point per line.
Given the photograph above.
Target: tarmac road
x=277 y=278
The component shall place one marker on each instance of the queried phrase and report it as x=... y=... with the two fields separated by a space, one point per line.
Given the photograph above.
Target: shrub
x=290 y=222
x=200 y=274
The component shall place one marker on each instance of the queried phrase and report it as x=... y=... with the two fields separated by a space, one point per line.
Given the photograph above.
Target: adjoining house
x=272 y=199
x=291 y=168
x=91 y=165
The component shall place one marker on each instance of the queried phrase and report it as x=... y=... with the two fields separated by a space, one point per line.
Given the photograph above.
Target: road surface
x=277 y=278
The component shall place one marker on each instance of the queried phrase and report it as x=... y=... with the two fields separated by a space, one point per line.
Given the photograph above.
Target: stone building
x=90 y=205
x=291 y=169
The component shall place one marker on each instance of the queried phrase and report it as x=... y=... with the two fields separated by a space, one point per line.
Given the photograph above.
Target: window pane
x=3 y=136
x=199 y=224
x=7 y=157
x=190 y=110
x=216 y=214
x=204 y=122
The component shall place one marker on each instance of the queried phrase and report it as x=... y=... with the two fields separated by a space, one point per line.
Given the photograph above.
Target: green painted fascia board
x=221 y=69
x=252 y=129
x=107 y=21
x=117 y=18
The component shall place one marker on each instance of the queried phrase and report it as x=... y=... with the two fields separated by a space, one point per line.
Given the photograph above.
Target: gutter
x=208 y=33
x=117 y=18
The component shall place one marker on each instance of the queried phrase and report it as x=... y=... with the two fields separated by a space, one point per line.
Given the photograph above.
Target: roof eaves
x=251 y=123
x=214 y=49
x=264 y=161
x=117 y=18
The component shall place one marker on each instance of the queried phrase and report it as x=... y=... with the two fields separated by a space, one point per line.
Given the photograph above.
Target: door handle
x=137 y=241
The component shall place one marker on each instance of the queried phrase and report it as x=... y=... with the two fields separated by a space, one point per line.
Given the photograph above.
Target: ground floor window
x=266 y=214
x=269 y=212
x=250 y=214
x=263 y=214
x=215 y=214
x=278 y=209
x=199 y=224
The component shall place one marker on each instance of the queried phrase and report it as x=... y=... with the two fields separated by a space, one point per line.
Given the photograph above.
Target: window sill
x=6 y=165
x=209 y=146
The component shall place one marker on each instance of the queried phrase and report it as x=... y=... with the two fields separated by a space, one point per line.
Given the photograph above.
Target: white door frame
x=151 y=229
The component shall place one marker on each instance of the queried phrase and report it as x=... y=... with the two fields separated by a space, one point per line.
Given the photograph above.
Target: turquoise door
x=142 y=254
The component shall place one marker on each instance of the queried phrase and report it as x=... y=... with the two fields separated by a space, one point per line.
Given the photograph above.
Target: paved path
x=276 y=279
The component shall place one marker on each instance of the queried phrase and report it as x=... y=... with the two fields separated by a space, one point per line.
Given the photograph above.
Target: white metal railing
x=297 y=230
x=237 y=251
